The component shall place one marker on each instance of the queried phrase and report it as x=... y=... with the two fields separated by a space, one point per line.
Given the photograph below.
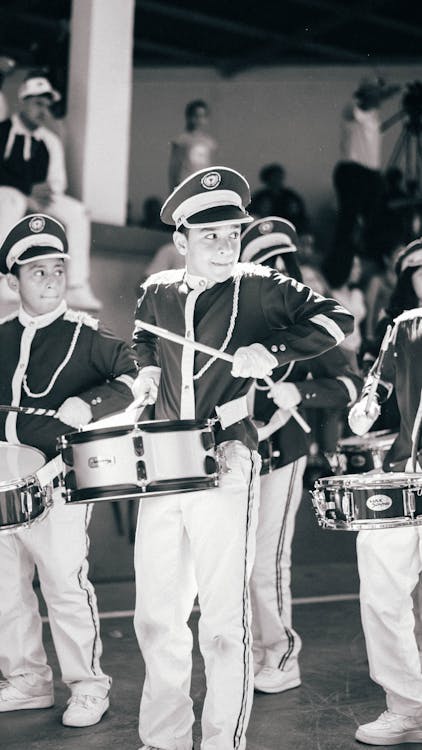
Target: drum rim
x=367 y=480
x=387 y=439
x=159 y=425
x=23 y=481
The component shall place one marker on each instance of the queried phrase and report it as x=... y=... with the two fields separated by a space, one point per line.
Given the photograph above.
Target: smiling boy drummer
x=205 y=540
x=55 y=358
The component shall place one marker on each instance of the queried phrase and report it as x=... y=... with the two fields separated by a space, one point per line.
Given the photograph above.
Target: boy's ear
x=181 y=243
x=13 y=282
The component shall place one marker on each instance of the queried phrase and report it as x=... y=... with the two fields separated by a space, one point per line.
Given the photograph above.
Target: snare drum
x=22 y=499
x=354 y=502
x=146 y=458
x=360 y=454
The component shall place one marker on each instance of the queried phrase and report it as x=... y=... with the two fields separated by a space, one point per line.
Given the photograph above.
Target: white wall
x=286 y=114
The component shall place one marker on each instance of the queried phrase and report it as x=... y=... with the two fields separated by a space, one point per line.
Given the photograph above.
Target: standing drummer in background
x=54 y=358
x=327 y=381
x=390 y=560
x=204 y=541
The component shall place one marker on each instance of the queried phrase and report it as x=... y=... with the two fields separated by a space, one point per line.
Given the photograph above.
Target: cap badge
x=37 y=224
x=211 y=180
x=266 y=227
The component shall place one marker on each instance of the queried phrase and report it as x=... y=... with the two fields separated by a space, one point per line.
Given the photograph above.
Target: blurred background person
x=357 y=176
x=275 y=199
x=33 y=178
x=195 y=148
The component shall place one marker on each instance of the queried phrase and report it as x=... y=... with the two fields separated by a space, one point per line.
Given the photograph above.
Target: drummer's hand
x=74 y=412
x=145 y=386
x=361 y=418
x=253 y=361
x=285 y=395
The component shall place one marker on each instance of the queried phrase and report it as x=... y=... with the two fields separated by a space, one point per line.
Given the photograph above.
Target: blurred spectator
x=357 y=177
x=275 y=199
x=378 y=291
x=351 y=297
x=312 y=276
x=165 y=258
x=33 y=179
x=150 y=218
x=193 y=149
x=7 y=65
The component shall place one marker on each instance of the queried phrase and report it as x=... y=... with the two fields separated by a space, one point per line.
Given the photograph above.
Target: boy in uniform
x=60 y=359
x=203 y=541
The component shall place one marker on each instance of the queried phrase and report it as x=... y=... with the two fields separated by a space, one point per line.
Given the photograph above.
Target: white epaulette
x=81 y=316
x=11 y=316
x=164 y=277
x=251 y=269
x=416 y=312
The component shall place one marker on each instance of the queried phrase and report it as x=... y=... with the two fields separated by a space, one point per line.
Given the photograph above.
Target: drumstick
x=377 y=368
x=171 y=336
x=29 y=410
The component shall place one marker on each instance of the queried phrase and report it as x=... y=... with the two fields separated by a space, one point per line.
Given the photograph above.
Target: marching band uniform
x=390 y=560
x=50 y=359
x=326 y=381
x=204 y=540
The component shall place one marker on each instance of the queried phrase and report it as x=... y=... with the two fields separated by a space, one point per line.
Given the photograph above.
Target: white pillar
x=99 y=106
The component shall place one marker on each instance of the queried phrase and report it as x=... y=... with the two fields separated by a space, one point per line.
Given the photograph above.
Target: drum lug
x=320 y=506
x=347 y=505
x=409 y=503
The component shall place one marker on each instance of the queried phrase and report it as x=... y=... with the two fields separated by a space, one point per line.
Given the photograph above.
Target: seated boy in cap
x=390 y=559
x=33 y=178
x=326 y=381
x=60 y=359
x=203 y=541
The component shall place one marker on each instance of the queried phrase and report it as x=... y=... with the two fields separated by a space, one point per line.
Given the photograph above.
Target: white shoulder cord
x=229 y=330
x=59 y=369
x=283 y=377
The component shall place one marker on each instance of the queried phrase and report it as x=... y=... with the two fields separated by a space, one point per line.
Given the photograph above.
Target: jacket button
x=274 y=348
x=282 y=347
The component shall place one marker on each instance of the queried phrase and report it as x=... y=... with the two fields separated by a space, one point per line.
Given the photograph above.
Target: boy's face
x=211 y=252
x=35 y=111
x=41 y=285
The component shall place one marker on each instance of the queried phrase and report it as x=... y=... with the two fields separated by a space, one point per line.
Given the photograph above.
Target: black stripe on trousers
x=289 y=634
x=238 y=733
x=90 y=601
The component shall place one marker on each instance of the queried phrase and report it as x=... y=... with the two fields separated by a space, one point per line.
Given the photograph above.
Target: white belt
x=50 y=471
x=232 y=411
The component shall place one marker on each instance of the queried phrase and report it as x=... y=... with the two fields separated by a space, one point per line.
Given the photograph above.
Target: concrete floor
x=335 y=696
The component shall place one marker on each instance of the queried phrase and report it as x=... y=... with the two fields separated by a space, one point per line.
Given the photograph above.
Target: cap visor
x=35 y=253
x=218 y=215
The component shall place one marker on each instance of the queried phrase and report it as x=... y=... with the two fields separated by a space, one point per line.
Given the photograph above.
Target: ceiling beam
x=251 y=31
x=353 y=13
x=179 y=53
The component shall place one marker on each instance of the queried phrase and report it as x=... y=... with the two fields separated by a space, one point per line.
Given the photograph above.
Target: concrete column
x=99 y=106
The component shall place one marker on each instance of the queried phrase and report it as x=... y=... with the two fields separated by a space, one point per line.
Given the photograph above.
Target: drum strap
x=50 y=471
x=232 y=411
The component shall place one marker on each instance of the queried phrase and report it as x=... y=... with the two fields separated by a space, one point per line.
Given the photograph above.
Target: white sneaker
x=84 y=710
x=272 y=680
x=391 y=729
x=83 y=298
x=12 y=699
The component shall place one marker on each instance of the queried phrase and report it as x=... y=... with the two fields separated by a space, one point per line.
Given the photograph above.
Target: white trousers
x=71 y=212
x=58 y=546
x=275 y=643
x=201 y=541
x=390 y=563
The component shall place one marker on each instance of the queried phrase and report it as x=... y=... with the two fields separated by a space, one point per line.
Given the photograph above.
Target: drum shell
x=133 y=460
x=358 y=502
x=22 y=500
x=361 y=454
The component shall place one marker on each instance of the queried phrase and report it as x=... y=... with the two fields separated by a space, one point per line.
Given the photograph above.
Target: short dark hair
x=192 y=106
x=403 y=296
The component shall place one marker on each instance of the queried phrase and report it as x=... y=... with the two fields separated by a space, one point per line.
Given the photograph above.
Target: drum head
x=18 y=462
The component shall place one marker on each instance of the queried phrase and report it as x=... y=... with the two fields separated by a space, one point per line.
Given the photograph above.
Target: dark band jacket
x=257 y=304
